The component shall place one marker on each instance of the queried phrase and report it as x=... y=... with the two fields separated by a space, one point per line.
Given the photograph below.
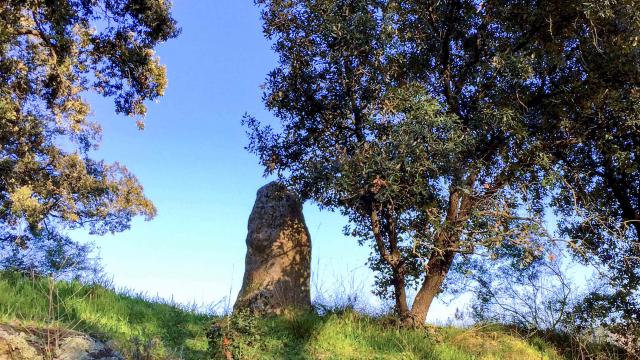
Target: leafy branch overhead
x=52 y=55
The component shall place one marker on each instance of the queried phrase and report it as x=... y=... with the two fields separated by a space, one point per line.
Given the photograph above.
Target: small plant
x=143 y=349
x=229 y=338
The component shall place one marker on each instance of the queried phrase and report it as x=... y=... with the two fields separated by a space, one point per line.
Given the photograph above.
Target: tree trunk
x=438 y=265
x=440 y=262
x=392 y=258
x=438 y=268
x=400 y=294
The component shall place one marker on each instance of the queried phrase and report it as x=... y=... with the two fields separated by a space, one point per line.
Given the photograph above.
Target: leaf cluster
x=52 y=55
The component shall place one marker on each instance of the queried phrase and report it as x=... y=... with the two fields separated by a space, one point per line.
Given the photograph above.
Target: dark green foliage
x=441 y=128
x=589 y=119
x=413 y=120
x=233 y=335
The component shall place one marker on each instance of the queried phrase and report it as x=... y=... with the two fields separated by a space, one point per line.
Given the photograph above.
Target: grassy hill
x=132 y=322
x=349 y=335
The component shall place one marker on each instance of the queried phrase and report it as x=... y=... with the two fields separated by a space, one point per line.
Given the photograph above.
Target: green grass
x=130 y=320
x=350 y=335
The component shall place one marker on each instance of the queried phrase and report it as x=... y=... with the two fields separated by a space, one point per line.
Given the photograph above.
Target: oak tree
x=413 y=119
x=593 y=133
x=53 y=54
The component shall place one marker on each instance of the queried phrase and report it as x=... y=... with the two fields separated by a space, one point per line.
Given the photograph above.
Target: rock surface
x=278 y=260
x=28 y=343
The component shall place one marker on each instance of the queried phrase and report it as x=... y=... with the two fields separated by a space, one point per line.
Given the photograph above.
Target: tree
x=593 y=134
x=53 y=254
x=52 y=54
x=415 y=120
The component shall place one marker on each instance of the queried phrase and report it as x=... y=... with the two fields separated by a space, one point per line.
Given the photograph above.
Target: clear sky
x=192 y=163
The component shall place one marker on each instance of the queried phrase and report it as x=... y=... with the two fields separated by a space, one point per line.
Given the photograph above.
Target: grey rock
x=278 y=259
x=83 y=347
x=22 y=343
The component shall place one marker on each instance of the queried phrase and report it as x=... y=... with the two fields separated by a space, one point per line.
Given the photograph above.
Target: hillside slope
x=142 y=329
x=130 y=323
x=350 y=335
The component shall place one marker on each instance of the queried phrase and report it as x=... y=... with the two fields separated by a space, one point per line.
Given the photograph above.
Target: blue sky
x=192 y=163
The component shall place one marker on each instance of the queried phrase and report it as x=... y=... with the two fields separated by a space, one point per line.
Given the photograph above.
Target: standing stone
x=278 y=261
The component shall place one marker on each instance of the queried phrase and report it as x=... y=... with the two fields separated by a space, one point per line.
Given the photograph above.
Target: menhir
x=278 y=260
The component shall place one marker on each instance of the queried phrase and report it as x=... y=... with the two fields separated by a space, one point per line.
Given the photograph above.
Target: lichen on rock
x=278 y=259
x=22 y=343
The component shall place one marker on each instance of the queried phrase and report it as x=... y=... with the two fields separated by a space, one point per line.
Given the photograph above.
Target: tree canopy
x=52 y=55
x=594 y=137
x=441 y=128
